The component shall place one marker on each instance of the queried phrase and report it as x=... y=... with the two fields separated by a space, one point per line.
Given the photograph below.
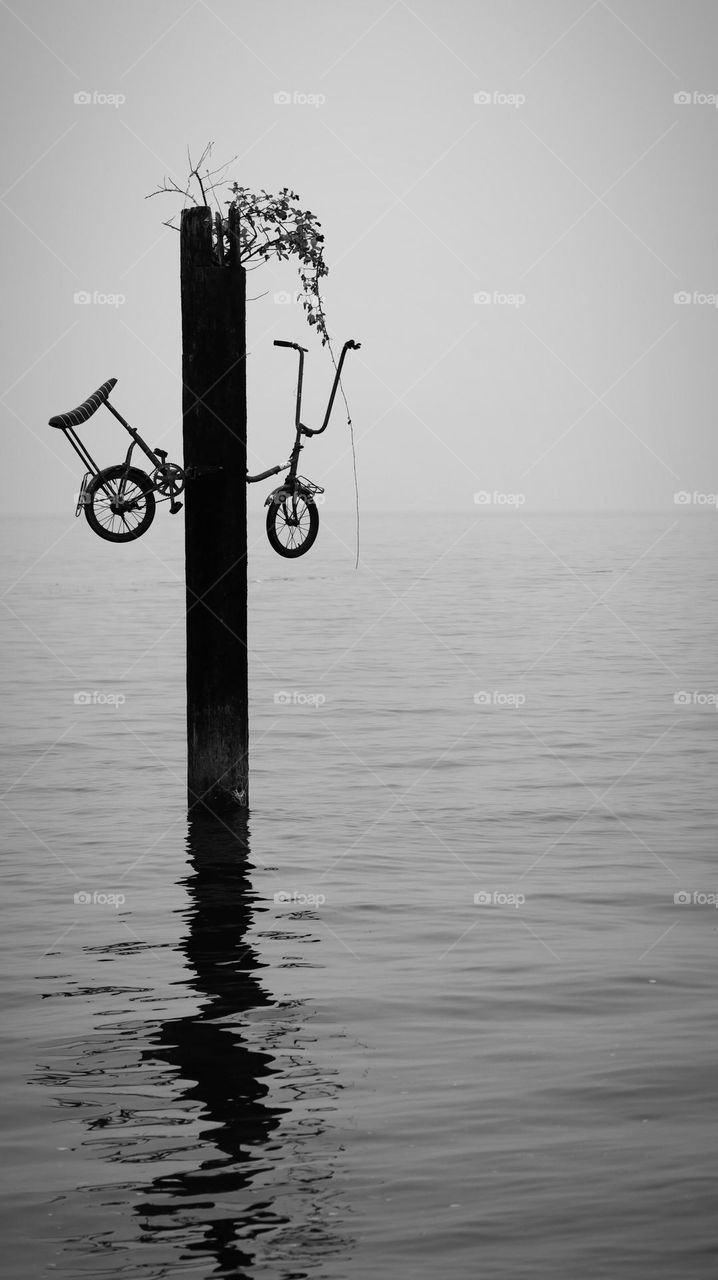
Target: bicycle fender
x=278 y=495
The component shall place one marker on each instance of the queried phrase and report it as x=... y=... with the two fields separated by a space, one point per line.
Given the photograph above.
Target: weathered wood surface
x=214 y=408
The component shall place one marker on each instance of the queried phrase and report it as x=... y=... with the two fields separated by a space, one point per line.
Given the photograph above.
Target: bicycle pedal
x=175 y=507
x=161 y=453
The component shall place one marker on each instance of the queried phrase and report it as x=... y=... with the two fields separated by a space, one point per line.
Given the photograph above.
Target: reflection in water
x=218 y=1071
x=203 y=1118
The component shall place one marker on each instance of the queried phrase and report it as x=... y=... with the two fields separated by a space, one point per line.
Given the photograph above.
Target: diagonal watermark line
x=200 y=600
x=248 y=150
x=197 y=398
x=639 y=839
x=547 y=746
x=660 y=939
x=642 y=442
x=402 y=198
x=539 y=939
x=37 y=360
x=563 y=635
x=39 y=39
x=57 y=941
x=460 y=938
x=598 y=399
x=39 y=639
x=641 y=641
x=339 y=939
x=38 y=760
x=558 y=39
x=598 y=200
x=39 y=839
x=46 y=152
x=41 y=440
x=167 y=168
x=398 y=600
x=163 y=34
x=642 y=756
x=200 y=800
x=36 y=562
x=437 y=37
x=39 y=239
x=601 y=600
x=359 y=38
x=232 y=32
x=397 y=800
x=399 y=399
x=146 y=946
x=440 y=839
x=401 y=800
x=636 y=36
x=145 y=253
x=600 y=799
x=549 y=848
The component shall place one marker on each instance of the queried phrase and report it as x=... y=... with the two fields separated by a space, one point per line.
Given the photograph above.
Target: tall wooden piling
x=214 y=409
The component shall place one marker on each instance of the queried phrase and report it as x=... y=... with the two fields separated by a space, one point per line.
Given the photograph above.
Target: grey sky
x=593 y=200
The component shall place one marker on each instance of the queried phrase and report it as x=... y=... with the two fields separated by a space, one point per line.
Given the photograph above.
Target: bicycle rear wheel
x=120 y=503
x=292 y=523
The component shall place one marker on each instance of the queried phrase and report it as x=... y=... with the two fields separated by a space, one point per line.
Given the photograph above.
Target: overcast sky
x=531 y=152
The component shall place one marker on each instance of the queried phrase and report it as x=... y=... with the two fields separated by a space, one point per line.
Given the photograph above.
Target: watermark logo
x=495 y=898
x=296 y=99
x=684 y=299
x=494 y=498
x=295 y=698
x=96 y=99
x=282 y=898
x=498 y=299
x=487 y=98
x=99 y=899
x=497 y=698
x=84 y=299
x=695 y=698
x=685 y=499
x=695 y=98
x=696 y=898
x=283 y=298
x=98 y=698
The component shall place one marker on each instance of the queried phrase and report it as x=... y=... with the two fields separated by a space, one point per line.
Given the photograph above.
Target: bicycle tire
x=98 y=508
x=297 y=544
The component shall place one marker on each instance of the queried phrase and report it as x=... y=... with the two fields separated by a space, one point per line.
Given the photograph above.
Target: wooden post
x=214 y=409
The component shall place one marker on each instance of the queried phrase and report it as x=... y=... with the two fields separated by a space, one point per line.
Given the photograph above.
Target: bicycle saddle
x=74 y=417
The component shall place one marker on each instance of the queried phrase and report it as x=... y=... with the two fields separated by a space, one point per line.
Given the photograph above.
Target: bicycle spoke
x=293 y=523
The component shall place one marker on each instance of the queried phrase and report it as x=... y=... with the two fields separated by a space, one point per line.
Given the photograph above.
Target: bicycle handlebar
x=351 y=345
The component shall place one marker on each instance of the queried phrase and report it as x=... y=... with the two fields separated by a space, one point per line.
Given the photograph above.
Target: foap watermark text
x=296 y=698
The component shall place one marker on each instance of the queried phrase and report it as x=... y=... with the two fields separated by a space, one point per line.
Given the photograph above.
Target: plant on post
x=269 y=225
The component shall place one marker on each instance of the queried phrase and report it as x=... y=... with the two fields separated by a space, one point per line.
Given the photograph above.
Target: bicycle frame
x=86 y=457
x=301 y=430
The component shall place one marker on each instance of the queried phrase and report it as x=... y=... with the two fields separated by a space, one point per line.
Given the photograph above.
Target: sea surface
x=475 y=1034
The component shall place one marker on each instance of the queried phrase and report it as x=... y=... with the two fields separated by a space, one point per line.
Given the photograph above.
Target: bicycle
x=119 y=501
x=293 y=518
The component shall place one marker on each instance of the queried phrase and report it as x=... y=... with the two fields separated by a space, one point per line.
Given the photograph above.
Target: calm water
x=378 y=1077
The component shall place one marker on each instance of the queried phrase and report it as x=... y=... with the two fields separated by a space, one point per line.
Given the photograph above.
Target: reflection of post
x=185 y=1099
x=214 y=413
x=216 y=1068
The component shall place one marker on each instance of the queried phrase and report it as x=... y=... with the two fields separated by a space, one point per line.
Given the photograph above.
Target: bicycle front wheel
x=292 y=523
x=120 y=503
